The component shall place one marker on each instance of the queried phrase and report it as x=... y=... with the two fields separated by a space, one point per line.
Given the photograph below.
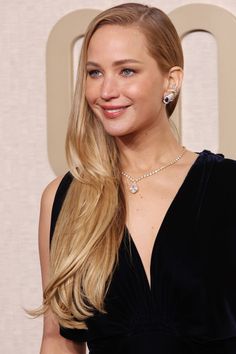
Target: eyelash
x=128 y=69
x=92 y=72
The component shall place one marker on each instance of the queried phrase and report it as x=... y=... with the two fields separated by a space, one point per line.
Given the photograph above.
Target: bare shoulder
x=49 y=192
x=189 y=157
x=47 y=200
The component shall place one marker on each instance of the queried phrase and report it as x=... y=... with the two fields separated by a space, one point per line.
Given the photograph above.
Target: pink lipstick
x=113 y=111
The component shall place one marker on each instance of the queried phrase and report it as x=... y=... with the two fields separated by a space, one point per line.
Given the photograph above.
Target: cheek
x=88 y=94
x=91 y=92
x=147 y=86
x=150 y=99
x=146 y=93
x=134 y=91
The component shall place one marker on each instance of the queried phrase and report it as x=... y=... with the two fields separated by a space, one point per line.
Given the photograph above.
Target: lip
x=112 y=111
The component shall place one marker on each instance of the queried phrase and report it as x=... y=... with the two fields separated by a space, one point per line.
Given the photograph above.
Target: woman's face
x=124 y=85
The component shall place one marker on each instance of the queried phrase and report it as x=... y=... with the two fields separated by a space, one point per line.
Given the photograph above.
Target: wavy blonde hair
x=90 y=227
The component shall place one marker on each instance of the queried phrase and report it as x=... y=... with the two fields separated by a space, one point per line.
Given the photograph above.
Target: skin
x=139 y=85
x=52 y=341
x=144 y=139
x=121 y=74
x=143 y=129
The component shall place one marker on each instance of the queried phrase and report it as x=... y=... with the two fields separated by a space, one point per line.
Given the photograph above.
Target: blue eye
x=127 y=72
x=94 y=73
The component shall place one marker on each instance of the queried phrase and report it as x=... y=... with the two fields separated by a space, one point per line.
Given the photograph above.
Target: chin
x=118 y=133
x=116 y=130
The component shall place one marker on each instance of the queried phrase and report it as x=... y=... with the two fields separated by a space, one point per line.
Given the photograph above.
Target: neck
x=145 y=151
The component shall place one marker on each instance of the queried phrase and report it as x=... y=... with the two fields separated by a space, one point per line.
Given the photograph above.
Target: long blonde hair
x=90 y=227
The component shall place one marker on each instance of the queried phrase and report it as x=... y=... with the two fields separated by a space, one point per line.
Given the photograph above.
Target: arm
x=52 y=341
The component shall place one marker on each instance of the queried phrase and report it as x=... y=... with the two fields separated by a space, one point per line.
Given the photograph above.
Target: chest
x=147 y=210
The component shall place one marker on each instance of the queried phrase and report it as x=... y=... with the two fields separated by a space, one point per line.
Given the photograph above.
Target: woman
x=142 y=229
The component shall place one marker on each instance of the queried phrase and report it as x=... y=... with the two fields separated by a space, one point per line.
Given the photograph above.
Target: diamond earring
x=170 y=96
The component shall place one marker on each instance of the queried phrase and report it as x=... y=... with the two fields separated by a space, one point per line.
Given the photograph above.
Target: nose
x=109 y=88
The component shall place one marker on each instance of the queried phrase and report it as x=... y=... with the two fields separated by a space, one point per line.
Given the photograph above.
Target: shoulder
x=47 y=202
x=59 y=184
x=225 y=166
x=221 y=171
x=220 y=161
x=51 y=202
x=49 y=192
x=228 y=165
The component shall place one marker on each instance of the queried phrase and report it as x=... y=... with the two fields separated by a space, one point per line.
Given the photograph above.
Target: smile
x=113 y=112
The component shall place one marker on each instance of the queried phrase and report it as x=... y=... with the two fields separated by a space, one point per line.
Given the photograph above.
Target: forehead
x=113 y=41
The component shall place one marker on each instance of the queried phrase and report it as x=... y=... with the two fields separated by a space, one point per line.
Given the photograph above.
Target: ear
x=174 y=79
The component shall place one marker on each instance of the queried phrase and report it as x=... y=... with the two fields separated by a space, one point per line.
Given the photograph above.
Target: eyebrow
x=116 y=63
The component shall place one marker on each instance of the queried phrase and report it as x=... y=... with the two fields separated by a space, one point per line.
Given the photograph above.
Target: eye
x=94 y=73
x=127 y=72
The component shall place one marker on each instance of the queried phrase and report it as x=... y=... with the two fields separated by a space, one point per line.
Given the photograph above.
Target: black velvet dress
x=190 y=307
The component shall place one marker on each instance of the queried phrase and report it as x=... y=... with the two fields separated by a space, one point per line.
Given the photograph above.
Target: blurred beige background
x=25 y=167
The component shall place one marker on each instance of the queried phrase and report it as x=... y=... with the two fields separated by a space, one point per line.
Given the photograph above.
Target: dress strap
x=58 y=200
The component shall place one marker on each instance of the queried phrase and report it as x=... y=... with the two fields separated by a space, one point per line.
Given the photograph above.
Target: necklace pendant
x=133 y=188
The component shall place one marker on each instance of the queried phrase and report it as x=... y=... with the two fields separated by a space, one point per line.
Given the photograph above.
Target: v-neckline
x=164 y=221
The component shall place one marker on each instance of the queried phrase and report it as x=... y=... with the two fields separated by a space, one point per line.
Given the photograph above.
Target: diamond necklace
x=133 y=182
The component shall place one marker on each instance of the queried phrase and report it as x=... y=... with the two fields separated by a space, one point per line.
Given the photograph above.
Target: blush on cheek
x=87 y=96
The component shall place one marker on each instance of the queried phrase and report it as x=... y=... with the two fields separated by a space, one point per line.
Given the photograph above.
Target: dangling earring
x=170 y=96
